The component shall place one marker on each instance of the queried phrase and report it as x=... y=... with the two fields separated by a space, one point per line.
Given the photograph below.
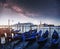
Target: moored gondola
x=14 y=35
x=39 y=34
x=43 y=39
x=30 y=35
x=17 y=36
x=55 y=39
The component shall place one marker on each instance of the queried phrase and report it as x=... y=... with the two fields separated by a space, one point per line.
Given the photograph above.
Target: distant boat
x=55 y=38
x=43 y=39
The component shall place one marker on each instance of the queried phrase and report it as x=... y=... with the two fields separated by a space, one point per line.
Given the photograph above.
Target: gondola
x=14 y=35
x=43 y=39
x=17 y=36
x=39 y=34
x=55 y=39
x=16 y=31
x=30 y=36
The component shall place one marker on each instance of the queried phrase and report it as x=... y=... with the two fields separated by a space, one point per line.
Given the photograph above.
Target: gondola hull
x=55 y=39
x=31 y=39
x=55 y=43
x=30 y=36
x=42 y=41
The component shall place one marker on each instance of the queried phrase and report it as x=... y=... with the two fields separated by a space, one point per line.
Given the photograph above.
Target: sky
x=34 y=11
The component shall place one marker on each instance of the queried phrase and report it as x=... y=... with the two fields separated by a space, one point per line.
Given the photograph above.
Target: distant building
x=58 y=26
x=51 y=25
x=48 y=25
x=45 y=25
x=23 y=27
x=34 y=27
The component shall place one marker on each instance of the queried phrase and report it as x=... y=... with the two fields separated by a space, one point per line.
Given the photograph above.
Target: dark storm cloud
x=38 y=8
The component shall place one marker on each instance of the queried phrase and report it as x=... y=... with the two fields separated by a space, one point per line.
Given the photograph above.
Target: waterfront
x=17 y=44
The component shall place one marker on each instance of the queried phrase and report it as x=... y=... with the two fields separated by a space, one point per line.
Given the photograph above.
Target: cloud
x=36 y=9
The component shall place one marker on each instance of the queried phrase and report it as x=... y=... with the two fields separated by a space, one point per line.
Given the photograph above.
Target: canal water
x=28 y=45
x=34 y=45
